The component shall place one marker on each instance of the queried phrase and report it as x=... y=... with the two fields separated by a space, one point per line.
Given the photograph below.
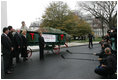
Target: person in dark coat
x=12 y=40
x=109 y=65
x=102 y=53
x=90 y=36
x=18 y=45
x=24 y=46
x=6 y=50
x=41 y=45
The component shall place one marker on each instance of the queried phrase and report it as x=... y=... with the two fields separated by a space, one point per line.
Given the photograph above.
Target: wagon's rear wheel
x=29 y=52
x=56 y=49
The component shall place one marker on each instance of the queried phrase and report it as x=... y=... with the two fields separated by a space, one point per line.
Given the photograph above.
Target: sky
x=29 y=10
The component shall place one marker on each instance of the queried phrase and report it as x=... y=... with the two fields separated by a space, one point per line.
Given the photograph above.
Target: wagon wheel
x=29 y=52
x=56 y=49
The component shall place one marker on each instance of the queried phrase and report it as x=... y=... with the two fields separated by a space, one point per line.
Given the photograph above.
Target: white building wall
x=98 y=32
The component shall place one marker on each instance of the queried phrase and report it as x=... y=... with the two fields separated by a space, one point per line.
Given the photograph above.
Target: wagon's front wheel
x=56 y=49
x=29 y=52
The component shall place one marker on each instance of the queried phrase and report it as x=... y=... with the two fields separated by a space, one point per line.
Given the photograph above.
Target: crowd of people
x=108 y=54
x=14 y=43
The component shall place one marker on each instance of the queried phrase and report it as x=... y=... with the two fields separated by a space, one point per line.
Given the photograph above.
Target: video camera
x=112 y=32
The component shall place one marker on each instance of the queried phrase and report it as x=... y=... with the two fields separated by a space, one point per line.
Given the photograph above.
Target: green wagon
x=53 y=41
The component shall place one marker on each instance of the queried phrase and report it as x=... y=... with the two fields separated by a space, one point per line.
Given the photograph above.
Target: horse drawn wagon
x=53 y=41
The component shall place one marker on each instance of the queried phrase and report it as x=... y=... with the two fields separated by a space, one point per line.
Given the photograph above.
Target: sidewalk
x=36 y=48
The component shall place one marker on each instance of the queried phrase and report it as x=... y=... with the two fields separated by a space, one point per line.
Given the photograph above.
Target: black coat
x=111 y=63
x=6 y=44
x=18 y=40
x=12 y=38
x=13 y=45
x=24 y=47
x=6 y=50
x=41 y=45
x=90 y=37
x=24 y=41
x=41 y=41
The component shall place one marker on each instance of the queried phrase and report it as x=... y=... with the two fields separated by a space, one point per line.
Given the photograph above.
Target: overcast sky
x=29 y=10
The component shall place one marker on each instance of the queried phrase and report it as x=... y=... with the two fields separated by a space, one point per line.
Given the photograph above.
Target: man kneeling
x=109 y=65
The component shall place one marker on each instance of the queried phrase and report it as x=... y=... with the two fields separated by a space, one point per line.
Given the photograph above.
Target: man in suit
x=6 y=50
x=18 y=45
x=12 y=40
x=41 y=45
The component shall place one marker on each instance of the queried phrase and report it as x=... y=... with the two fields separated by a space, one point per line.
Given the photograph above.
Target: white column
x=3 y=15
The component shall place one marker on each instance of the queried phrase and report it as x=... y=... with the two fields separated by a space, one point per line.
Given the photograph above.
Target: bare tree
x=104 y=10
